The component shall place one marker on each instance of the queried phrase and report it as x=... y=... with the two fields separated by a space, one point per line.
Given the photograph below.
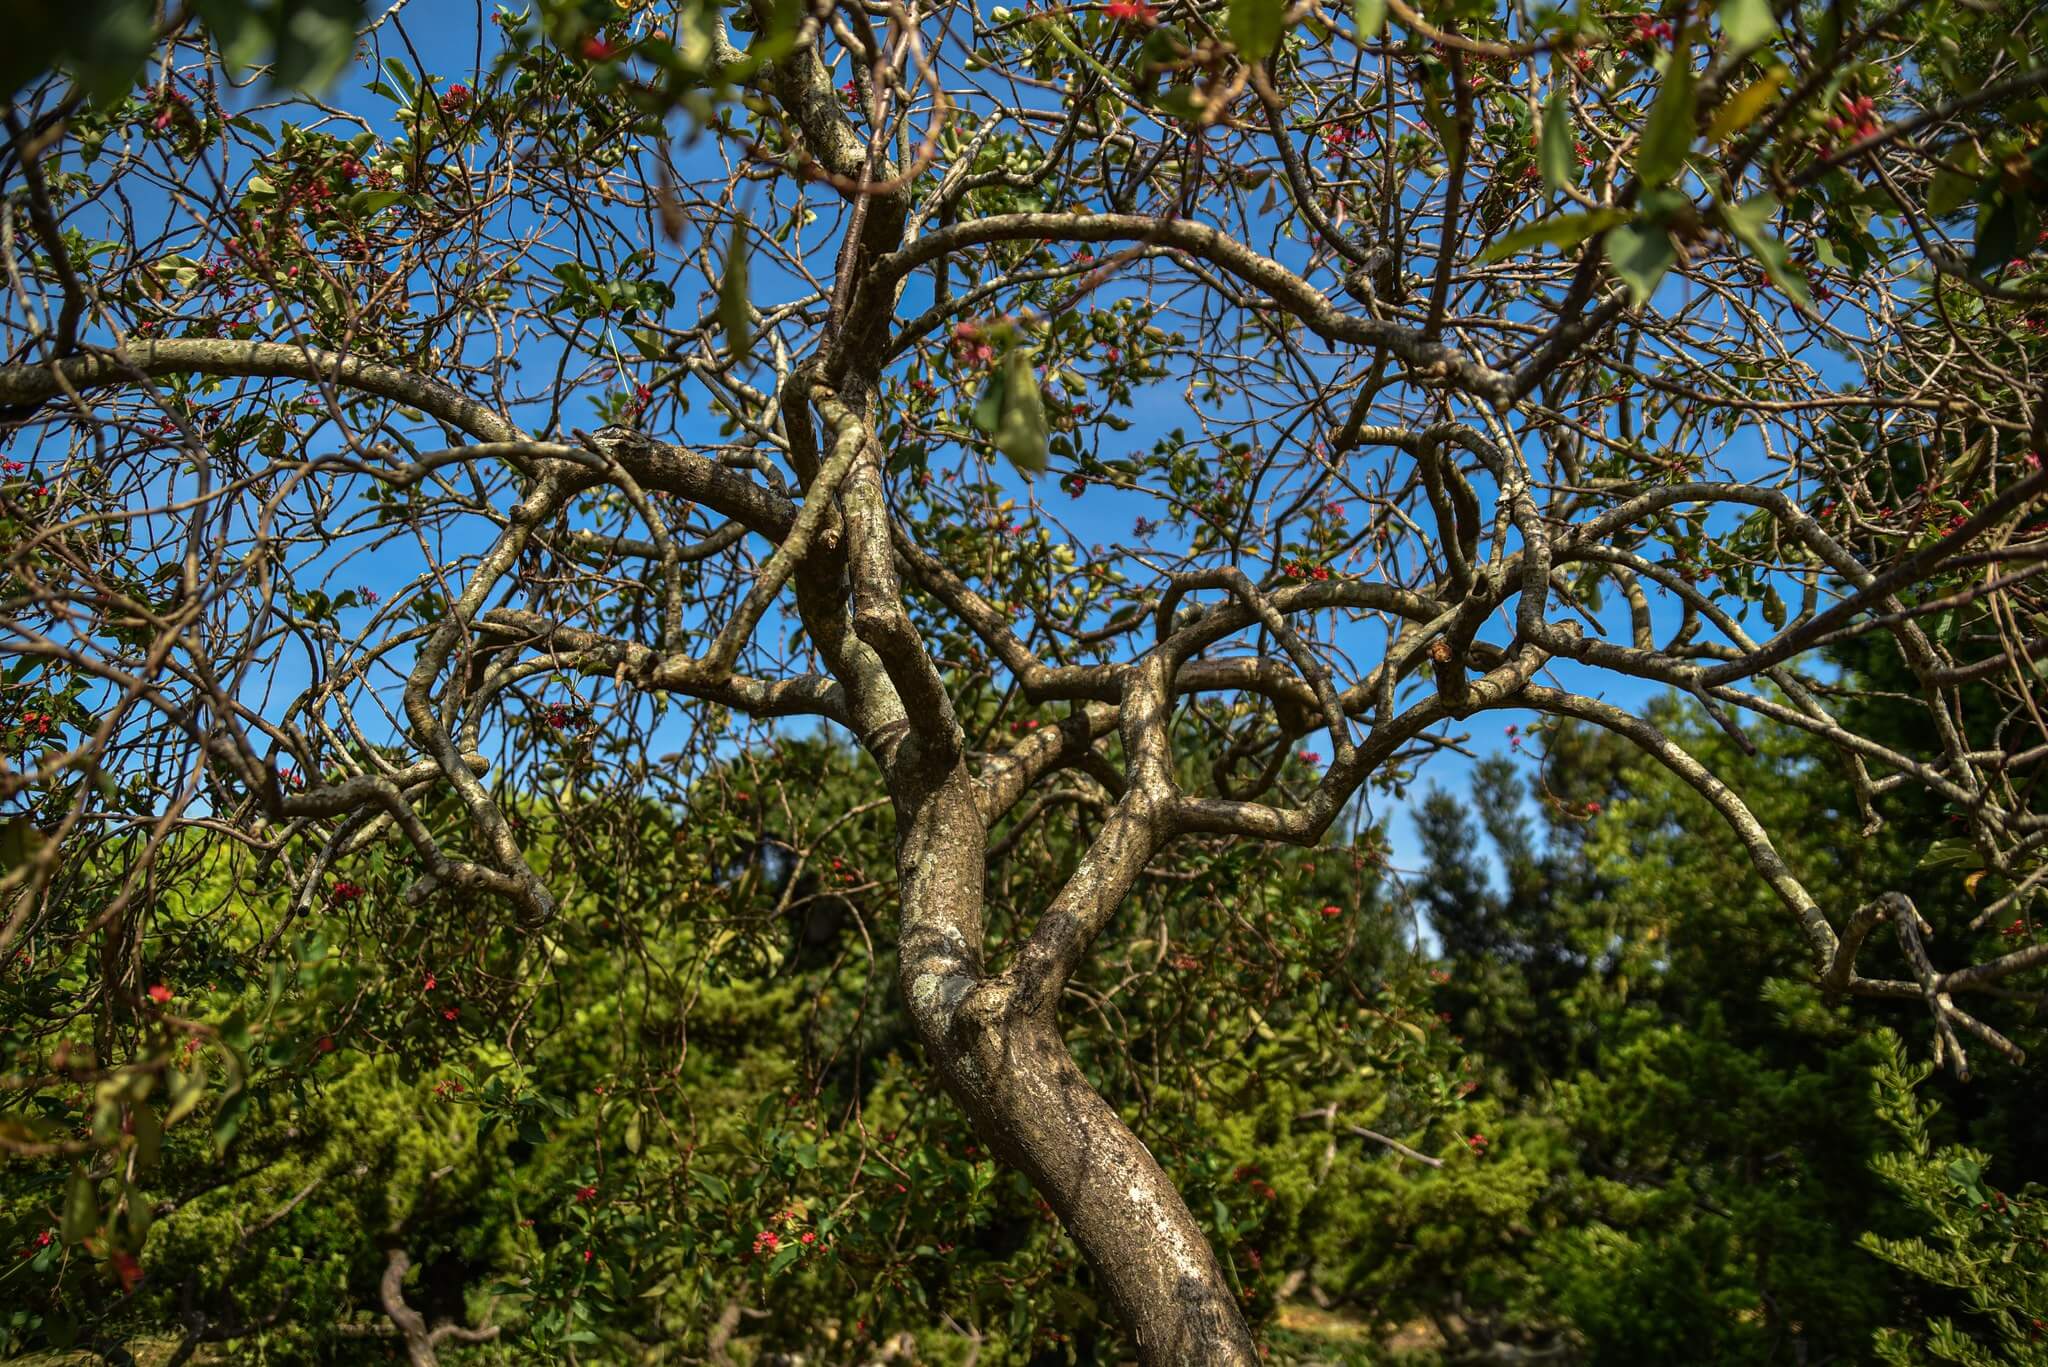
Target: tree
x=715 y=1133
x=1991 y=1246
x=306 y=551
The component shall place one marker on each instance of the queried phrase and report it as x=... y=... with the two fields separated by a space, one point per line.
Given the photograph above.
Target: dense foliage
x=1595 y=1113
x=787 y=875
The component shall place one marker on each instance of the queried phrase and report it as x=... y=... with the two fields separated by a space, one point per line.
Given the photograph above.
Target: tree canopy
x=1144 y=436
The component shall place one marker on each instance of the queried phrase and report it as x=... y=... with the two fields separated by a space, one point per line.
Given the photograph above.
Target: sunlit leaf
x=735 y=311
x=1746 y=105
x=1554 y=146
x=1747 y=23
x=1566 y=231
x=1255 y=26
x=1012 y=412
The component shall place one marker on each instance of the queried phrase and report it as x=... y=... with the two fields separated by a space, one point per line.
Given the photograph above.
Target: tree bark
x=1017 y=1080
x=1005 y=1063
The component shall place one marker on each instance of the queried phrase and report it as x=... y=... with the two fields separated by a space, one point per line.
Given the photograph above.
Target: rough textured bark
x=1004 y=1061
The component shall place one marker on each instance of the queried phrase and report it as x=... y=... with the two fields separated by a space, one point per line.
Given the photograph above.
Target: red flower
x=1129 y=12
x=160 y=994
x=810 y=1236
x=1477 y=1143
x=588 y=1254
x=1333 y=911
x=585 y=1195
x=456 y=98
x=1309 y=757
x=431 y=981
x=345 y=891
x=450 y=1014
x=596 y=49
x=325 y=1045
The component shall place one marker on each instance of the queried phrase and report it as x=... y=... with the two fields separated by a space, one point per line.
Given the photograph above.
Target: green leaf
x=988 y=406
x=1554 y=145
x=1747 y=220
x=139 y=1218
x=81 y=1207
x=1012 y=412
x=1827 y=34
x=228 y=1119
x=1667 y=135
x=1949 y=192
x=149 y=1136
x=315 y=40
x=1748 y=23
x=735 y=313
x=188 y=1089
x=1255 y=26
x=1640 y=254
x=2005 y=226
x=1164 y=47
x=122 y=36
x=1566 y=231
x=401 y=76
x=1369 y=17
x=375 y=201
x=1746 y=105
x=1180 y=102
x=19 y=842
x=237 y=29
x=1949 y=854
